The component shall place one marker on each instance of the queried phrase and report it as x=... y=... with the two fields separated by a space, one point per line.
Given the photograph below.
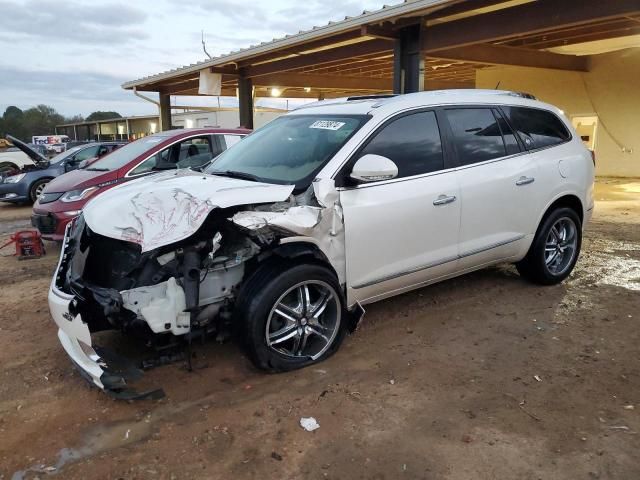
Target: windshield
x=123 y=155
x=63 y=155
x=289 y=150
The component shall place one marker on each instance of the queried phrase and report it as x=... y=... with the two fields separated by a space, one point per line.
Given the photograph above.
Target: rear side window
x=412 y=142
x=476 y=135
x=537 y=128
x=510 y=142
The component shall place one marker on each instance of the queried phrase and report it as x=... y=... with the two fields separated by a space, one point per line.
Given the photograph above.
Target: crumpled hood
x=168 y=207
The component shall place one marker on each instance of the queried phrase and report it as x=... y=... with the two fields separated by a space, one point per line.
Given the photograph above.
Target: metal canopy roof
x=356 y=55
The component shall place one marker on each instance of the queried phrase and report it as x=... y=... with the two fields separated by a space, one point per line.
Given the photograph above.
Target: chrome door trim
x=405 y=272
x=490 y=247
x=437 y=263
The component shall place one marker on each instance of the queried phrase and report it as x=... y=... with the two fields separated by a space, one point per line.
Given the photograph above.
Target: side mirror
x=373 y=168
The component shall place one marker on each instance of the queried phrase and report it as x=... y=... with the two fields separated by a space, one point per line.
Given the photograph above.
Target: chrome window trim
x=349 y=155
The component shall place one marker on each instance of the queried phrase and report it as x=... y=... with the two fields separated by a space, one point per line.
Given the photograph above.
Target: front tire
x=555 y=248
x=292 y=316
x=37 y=188
x=8 y=168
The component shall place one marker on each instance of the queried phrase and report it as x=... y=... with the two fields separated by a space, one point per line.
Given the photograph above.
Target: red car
x=65 y=196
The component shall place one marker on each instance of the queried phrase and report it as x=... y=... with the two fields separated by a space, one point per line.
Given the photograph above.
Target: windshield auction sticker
x=327 y=125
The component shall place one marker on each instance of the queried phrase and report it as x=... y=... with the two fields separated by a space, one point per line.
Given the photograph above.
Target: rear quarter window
x=537 y=128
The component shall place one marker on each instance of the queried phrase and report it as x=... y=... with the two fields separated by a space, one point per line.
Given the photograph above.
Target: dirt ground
x=481 y=377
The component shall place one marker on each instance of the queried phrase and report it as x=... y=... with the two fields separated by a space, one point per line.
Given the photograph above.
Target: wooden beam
x=499 y=55
x=226 y=70
x=321 y=57
x=177 y=88
x=312 y=45
x=539 y=16
x=284 y=80
x=378 y=32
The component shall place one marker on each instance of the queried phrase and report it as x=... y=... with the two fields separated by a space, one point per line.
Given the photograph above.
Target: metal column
x=408 y=61
x=165 y=112
x=245 y=101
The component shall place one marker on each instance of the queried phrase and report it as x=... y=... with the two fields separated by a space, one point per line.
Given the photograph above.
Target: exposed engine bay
x=169 y=295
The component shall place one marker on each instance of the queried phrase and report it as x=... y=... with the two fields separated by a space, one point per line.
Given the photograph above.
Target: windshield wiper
x=96 y=169
x=236 y=174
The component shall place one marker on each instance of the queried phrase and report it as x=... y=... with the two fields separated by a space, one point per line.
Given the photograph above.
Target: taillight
x=593 y=157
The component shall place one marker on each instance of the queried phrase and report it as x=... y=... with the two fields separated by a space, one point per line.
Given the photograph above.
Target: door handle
x=444 y=199
x=525 y=181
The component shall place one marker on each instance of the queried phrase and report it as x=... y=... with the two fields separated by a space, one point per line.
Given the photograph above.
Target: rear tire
x=555 y=248
x=37 y=188
x=291 y=316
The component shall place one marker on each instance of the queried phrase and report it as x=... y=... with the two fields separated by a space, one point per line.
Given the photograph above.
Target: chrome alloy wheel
x=560 y=246
x=305 y=320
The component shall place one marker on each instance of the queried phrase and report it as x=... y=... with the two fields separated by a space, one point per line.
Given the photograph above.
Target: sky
x=74 y=55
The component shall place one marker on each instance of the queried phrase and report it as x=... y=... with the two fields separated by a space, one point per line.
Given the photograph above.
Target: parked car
x=330 y=207
x=65 y=196
x=56 y=147
x=12 y=159
x=27 y=184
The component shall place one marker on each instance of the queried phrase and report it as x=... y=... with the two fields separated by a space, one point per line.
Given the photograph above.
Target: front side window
x=537 y=128
x=86 y=153
x=290 y=150
x=412 y=142
x=476 y=135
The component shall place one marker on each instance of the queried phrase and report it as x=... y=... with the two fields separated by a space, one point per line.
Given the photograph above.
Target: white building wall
x=610 y=90
x=222 y=119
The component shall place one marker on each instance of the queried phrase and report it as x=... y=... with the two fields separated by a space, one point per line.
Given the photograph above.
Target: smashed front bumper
x=100 y=367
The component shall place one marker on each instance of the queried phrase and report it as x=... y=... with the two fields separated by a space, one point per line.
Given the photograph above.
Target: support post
x=245 y=101
x=75 y=133
x=408 y=60
x=98 y=130
x=126 y=120
x=165 y=112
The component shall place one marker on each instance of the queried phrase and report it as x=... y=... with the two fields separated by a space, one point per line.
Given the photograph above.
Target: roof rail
x=371 y=97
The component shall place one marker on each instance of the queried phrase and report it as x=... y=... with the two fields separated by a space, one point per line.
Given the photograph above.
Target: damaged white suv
x=332 y=206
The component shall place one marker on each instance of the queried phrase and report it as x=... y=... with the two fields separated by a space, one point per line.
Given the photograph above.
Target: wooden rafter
x=535 y=17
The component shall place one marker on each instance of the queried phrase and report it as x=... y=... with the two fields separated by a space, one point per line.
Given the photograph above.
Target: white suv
x=330 y=207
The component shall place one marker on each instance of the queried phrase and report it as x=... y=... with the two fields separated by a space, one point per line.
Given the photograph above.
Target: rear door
x=500 y=197
x=401 y=233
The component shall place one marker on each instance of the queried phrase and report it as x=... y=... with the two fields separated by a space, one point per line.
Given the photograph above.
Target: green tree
x=41 y=120
x=13 y=123
x=95 y=116
x=74 y=119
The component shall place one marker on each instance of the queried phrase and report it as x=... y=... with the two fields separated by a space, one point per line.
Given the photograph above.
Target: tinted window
x=510 y=142
x=476 y=135
x=537 y=128
x=412 y=142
